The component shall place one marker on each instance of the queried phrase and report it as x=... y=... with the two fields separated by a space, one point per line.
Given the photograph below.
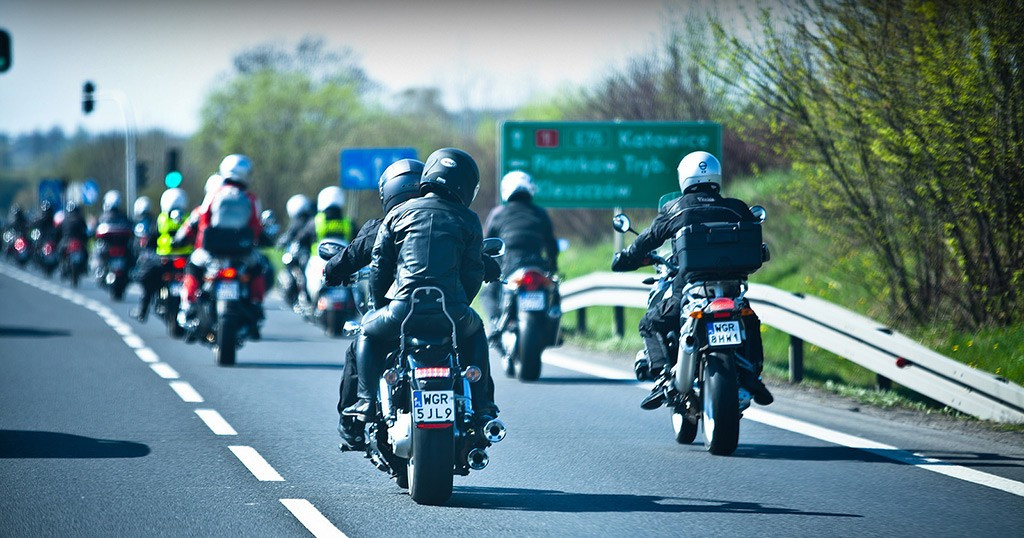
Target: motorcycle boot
x=367 y=362
x=352 y=433
x=752 y=382
x=658 y=395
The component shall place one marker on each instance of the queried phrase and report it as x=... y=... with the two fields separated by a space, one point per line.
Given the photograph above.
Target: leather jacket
x=528 y=235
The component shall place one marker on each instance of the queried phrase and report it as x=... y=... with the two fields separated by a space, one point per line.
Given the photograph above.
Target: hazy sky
x=166 y=56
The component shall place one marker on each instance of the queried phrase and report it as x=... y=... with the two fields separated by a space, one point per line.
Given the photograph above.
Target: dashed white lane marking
x=215 y=422
x=134 y=342
x=119 y=328
x=256 y=464
x=164 y=370
x=186 y=392
x=147 y=355
x=312 y=519
x=959 y=472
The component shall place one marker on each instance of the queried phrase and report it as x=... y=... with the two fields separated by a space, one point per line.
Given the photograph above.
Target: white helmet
x=298 y=205
x=142 y=205
x=698 y=168
x=213 y=183
x=111 y=200
x=517 y=181
x=173 y=199
x=331 y=196
x=237 y=168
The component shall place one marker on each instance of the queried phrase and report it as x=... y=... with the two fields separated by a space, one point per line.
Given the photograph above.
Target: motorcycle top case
x=229 y=231
x=719 y=248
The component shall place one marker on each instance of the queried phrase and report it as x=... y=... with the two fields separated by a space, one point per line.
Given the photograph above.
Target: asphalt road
x=101 y=434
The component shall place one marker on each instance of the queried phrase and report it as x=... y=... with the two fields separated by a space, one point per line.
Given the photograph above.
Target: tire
x=402 y=475
x=721 y=413
x=431 y=466
x=334 y=323
x=532 y=332
x=227 y=329
x=685 y=430
x=75 y=275
x=171 y=318
x=117 y=289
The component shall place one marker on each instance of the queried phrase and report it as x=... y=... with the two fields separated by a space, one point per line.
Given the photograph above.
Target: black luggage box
x=719 y=248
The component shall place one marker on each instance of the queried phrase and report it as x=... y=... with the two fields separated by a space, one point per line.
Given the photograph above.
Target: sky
x=166 y=56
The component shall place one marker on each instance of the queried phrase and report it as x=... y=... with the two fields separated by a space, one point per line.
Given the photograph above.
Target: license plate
x=724 y=333
x=338 y=294
x=175 y=288
x=433 y=405
x=531 y=301
x=227 y=291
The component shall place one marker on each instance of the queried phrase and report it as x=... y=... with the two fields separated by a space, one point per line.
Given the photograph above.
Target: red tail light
x=179 y=263
x=116 y=252
x=720 y=304
x=533 y=281
x=48 y=249
x=435 y=371
x=19 y=244
x=74 y=245
x=228 y=273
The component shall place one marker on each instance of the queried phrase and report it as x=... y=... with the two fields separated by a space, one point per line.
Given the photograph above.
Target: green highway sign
x=603 y=164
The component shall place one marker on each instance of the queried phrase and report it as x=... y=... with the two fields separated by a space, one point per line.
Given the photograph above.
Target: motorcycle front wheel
x=721 y=413
x=430 y=467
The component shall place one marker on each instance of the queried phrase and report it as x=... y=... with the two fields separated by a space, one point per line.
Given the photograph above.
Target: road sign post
x=603 y=164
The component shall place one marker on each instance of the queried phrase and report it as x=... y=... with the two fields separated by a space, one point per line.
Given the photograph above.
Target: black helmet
x=452 y=173
x=399 y=182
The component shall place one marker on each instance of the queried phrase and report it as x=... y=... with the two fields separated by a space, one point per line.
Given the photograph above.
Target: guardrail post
x=620 y=321
x=581 y=320
x=882 y=382
x=796 y=359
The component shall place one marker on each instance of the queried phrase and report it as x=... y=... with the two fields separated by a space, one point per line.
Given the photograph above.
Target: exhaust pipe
x=494 y=430
x=477 y=459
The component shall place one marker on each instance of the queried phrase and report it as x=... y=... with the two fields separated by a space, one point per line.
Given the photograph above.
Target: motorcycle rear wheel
x=531 y=344
x=430 y=470
x=227 y=329
x=721 y=414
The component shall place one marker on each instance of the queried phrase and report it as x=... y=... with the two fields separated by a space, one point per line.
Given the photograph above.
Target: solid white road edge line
x=256 y=464
x=186 y=392
x=312 y=519
x=164 y=370
x=215 y=422
x=562 y=360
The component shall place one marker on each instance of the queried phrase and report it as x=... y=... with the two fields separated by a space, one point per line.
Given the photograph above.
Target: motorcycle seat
x=415 y=341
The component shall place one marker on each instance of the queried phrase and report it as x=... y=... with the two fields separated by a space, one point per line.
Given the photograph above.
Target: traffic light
x=87 y=98
x=141 y=179
x=173 y=177
x=5 y=51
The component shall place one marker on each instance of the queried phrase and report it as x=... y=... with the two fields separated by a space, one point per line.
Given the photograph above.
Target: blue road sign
x=90 y=192
x=362 y=167
x=51 y=190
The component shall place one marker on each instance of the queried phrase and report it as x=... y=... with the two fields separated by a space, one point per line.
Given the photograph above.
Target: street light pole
x=128 y=115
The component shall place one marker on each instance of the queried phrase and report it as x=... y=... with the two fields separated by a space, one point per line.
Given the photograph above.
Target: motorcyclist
x=527 y=232
x=434 y=240
x=300 y=211
x=73 y=227
x=173 y=203
x=145 y=226
x=700 y=180
x=113 y=213
x=44 y=222
x=189 y=231
x=235 y=171
x=114 y=217
x=330 y=219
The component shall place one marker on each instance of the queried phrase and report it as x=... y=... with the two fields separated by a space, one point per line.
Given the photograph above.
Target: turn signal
x=472 y=374
x=230 y=272
x=696 y=314
x=179 y=263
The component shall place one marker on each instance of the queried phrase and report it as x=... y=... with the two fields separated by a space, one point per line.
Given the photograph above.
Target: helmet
x=142 y=205
x=213 y=183
x=517 y=181
x=298 y=206
x=173 y=199
x=111 y=200
x=58 y=218
x=399 y=182
x=453 y=173
x=330 y=197
x=699 y=168
x=237 y=168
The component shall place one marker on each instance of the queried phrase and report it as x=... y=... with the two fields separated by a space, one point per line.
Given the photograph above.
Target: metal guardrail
x=840 y=331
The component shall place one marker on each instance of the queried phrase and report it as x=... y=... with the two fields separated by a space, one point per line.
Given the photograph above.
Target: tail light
x=721 y=307
x=74 y=245
x=432 y=372
x=47 y=249
x=533 y=281
x=115 y=251
x=179 y=263
x=228 y=273
x=19 y=244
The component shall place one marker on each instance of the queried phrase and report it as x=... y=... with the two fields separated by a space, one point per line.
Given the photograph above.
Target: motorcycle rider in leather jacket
x=700 y=181
x=434 y=240
x=173 y=203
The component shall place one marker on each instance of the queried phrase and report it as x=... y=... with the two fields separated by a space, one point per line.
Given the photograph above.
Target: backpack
x=229 y=232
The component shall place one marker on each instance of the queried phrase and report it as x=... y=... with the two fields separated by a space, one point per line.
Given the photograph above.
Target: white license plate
x=175 y=288
x=338 y=294
x=227 y=291
x=531 y=301
x=724 y=333
x=433 y=405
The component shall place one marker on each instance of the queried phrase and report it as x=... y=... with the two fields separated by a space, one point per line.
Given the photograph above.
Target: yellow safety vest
x=167 y=228
x=340 y=228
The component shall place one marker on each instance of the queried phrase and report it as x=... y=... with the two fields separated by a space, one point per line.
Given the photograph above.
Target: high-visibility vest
x=167 y=228
x=340 y=228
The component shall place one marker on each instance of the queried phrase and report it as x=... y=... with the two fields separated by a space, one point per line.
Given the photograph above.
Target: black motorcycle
x=530 y=320
x=224 y=316
x=703 y=386
x=114 y=261
x=292 y=280
x=424 y=433
x=168 y=297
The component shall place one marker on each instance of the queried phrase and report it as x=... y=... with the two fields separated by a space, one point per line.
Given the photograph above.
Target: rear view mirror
x=759 y=213
x=329 y=249
x=563 y=244
x=493 y=247
x=621 y=223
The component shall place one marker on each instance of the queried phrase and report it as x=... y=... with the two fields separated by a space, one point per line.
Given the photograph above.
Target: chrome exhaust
x=477 y=459
x=494 y=430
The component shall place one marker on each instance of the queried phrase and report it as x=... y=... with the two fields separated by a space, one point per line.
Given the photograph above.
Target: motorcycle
x=18 y=247
x=224 y=317
x=530 y=321
x=47 y=256
x=703 y=387
x=293 y=279
x=73 y=262
x=332 y=305
x=424 y=433
x=168 y=298
x=112 y=251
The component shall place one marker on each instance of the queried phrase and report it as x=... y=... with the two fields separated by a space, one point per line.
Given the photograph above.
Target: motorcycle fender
x=400 y=436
